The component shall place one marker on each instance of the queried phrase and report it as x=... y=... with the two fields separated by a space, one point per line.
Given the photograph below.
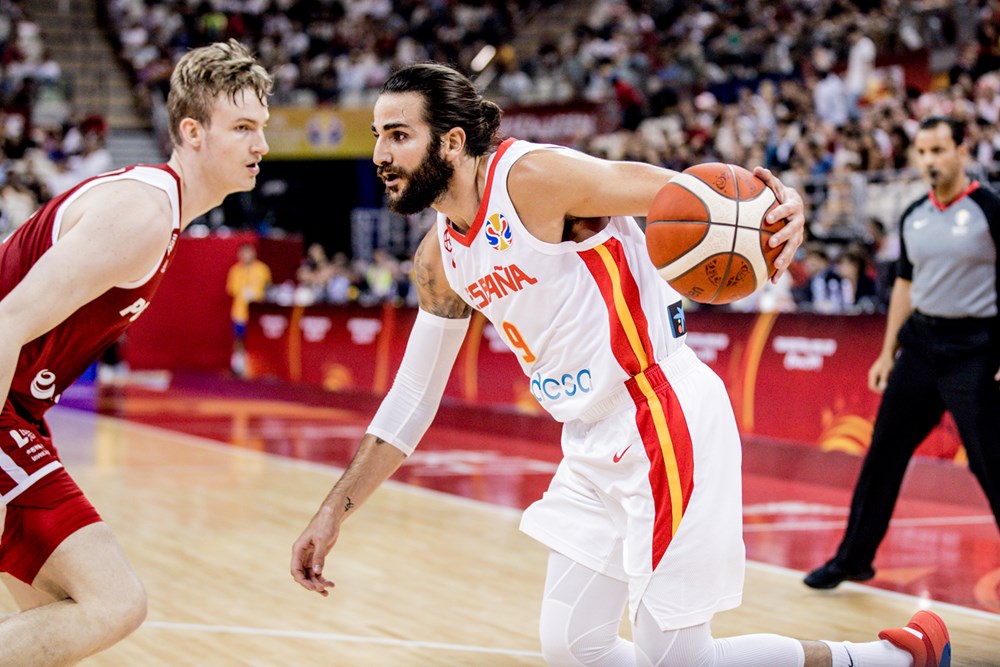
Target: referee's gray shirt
x=950 y=254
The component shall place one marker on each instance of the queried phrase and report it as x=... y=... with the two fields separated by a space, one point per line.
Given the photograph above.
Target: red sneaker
x=925 y=637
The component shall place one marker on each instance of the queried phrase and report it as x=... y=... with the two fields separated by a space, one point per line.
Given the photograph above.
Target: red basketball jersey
x=53 y=361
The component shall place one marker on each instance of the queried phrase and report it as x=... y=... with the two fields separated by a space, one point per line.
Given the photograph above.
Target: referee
x=941 y=349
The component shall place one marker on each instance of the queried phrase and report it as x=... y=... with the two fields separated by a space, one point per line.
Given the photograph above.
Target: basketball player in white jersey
x=72 y=278
x=644 y=511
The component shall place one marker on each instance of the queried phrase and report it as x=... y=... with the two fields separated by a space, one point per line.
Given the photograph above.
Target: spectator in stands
x=820 y=291
x=94 y=157
x=858 y=291
x=314 y=271
x=965 y=65
x=899 y=142
x=860 y=66
x=342 y=285
x=62 y=177
x=834 y=220
x=988 y=38
x=631 y=103
x=883 y=248
x=17 y=203
x=380 y=278
x=982 y=146
x=406 y=293
x=246 y=282
x=829 y=94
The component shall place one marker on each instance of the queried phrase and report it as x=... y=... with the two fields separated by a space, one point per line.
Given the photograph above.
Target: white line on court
x=334 y=637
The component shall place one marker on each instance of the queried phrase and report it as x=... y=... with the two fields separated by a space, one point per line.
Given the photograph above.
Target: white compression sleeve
x=409 y=407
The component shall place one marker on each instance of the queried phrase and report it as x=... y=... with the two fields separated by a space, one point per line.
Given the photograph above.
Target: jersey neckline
x=467 y=238
x=973 y=186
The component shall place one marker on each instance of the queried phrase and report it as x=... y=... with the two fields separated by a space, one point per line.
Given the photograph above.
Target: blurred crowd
x=791 y=85
x=813 y=89
x=45 y=147
x=340 y=280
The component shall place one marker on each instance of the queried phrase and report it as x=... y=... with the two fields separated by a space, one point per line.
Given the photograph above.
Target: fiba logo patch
x=498 y=233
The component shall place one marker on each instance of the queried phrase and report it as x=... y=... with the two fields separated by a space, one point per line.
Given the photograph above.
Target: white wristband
x=409 y=407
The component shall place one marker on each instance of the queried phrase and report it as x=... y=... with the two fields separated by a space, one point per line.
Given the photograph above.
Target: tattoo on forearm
x=348 y=505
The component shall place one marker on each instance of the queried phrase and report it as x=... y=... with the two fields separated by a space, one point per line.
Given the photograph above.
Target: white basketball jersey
x=581 y=317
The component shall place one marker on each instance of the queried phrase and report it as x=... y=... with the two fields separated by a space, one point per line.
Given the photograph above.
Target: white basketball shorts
x=651 y=494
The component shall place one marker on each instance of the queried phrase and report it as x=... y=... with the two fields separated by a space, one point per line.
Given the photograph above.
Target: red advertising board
x=799 y=378
x=563 y=124
x=187 y=324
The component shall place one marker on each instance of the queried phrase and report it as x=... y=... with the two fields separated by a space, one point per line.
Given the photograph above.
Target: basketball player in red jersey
x=72 y=278
x=644 y=511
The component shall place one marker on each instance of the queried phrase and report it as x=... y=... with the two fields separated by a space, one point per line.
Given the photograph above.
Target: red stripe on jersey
x=468 y=237
x=630 y=342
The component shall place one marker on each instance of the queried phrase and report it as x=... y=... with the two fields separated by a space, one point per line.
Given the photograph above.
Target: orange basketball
x=706 y=234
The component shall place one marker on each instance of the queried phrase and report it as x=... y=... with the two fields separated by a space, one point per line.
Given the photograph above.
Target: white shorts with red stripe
x=650 y=494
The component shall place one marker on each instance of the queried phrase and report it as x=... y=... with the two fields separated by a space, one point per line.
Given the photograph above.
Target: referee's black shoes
x=832 y=574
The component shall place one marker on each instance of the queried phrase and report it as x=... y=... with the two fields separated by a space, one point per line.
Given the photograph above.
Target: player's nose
x=262 y=146
x=380 y=155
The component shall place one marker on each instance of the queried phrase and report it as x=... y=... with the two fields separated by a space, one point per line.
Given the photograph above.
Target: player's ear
x=454 y=141
x=191 y=131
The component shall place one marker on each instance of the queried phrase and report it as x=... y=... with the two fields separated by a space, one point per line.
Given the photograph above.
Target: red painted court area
x=943 y=543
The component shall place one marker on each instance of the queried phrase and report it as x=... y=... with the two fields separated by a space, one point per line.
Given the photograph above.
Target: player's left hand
x=792 y=211
x=310 y=550
x=997 y=376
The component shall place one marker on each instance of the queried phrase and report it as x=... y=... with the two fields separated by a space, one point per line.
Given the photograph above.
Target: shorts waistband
x=630 y=391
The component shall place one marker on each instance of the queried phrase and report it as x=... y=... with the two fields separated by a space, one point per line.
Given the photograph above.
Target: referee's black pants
x=943 y=365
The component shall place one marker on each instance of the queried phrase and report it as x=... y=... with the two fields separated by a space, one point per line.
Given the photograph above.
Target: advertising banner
x=798 y=378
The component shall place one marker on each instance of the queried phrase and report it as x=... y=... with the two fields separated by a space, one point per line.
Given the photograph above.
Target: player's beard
x=424 y=184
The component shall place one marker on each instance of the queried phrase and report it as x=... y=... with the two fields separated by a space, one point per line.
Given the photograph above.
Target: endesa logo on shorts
x=498 y=233
x=498 y=284
x=561 y=387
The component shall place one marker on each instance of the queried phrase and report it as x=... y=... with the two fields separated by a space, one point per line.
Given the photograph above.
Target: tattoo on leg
x=348 y=505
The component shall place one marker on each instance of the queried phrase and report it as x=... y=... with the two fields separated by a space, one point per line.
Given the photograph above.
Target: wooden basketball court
x=423 y=577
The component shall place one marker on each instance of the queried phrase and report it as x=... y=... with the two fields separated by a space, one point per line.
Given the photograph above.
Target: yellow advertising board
x=319 y=133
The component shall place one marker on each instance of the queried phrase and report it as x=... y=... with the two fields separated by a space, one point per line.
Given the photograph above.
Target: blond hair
x=206 y=72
